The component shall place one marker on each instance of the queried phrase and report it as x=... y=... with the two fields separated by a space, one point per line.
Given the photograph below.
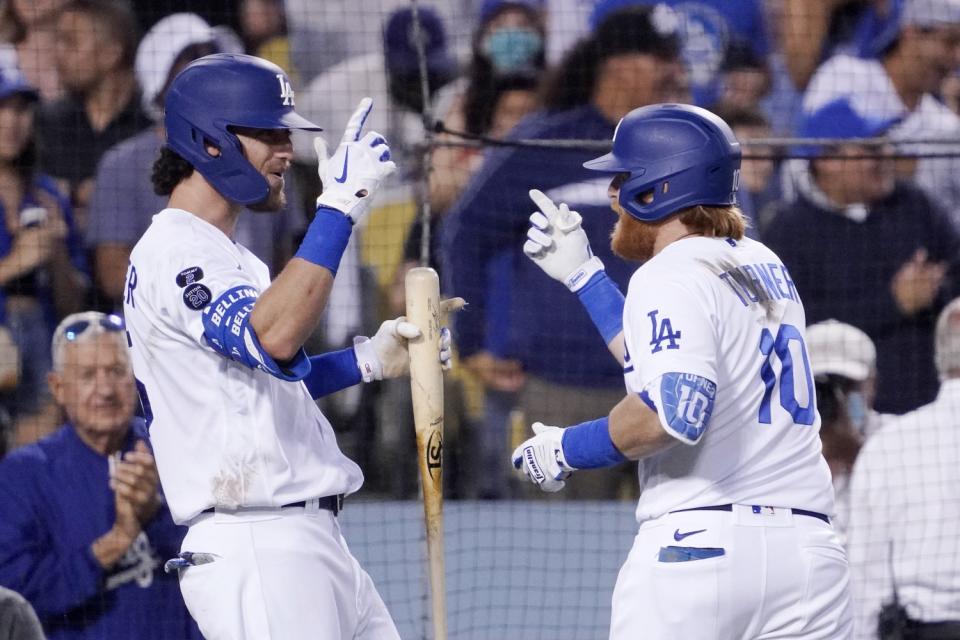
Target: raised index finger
x=545 y=204
x=355 y=124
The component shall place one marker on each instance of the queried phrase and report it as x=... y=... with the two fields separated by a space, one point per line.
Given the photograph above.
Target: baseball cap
x=837 y=348
x=161 y=47
x=13 y=82
x=882 y=29
x=400 y=46
x=838 y=120
x=490 y=7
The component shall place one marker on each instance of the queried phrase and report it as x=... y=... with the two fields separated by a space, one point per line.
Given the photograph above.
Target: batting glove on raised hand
x=541 y=458
x=557 y=243
x=351 y=176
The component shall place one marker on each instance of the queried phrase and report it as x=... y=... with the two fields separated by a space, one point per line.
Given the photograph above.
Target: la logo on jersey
x=662 y=332
x=286 y=90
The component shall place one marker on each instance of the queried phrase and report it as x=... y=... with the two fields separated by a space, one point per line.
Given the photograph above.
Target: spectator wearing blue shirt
x=41 y=260
x=868 y=249
x=631 y=60
x=83 y=525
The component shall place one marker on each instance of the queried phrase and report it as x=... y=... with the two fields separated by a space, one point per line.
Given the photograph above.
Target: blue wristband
x=326 y=239
x=604 y=302
x=331 y=372
x=588 y=445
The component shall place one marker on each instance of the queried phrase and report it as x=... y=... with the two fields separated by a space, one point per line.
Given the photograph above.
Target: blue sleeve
x=481 y=225
x=226 y=327
x=52 y=579
x=331 y=372
x=604 y=303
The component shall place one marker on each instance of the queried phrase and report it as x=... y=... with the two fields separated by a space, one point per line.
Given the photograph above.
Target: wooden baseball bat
x=426 y=385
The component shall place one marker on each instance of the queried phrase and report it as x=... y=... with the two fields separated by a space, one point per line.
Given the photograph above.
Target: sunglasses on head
x=76 y=329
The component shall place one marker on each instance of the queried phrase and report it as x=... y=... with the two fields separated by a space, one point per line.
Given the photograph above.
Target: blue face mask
x=857 y=410
x=512 y=50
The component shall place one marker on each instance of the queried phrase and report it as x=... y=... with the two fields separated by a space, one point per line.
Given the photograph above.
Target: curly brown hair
x=169 y=169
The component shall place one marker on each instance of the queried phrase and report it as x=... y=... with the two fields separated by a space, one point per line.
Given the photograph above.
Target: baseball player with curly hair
x=735 y=539
x=246 y=458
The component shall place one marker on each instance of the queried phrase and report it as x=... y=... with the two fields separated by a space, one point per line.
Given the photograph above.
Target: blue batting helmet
x=226 y=90
x=679 y=154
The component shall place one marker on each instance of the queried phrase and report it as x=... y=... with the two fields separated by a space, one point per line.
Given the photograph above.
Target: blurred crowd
x=849 y=116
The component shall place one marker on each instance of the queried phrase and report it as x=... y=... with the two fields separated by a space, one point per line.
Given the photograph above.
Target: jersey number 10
x=780 y=346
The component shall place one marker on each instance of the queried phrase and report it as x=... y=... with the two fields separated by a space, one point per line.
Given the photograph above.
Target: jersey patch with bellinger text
x=197 y=296
x=188 y=276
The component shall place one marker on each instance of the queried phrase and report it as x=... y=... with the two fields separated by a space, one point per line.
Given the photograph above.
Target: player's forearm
x=635 y=429
x=617 y=348
x=604 y=302
x=287 y=313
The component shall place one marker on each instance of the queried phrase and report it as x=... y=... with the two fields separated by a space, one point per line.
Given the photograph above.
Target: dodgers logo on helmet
x=677 y=156
x=224 y=90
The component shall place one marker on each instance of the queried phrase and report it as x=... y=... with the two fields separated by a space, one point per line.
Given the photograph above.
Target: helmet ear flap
x=637 y=196
x=220 y=91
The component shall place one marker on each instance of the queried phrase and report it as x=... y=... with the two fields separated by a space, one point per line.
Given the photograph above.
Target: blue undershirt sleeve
x=588 y=445
x=604 y=303
x=331 y=372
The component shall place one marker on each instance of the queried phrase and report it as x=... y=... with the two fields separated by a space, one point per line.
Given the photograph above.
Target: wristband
x=368 y=364
x=604 y=303
x=588 y=445
x=332 y=372
x=582 y=274
x=326 y=239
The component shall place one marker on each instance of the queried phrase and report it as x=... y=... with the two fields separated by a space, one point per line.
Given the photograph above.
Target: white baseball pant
x=765 y=573
x=280 y=575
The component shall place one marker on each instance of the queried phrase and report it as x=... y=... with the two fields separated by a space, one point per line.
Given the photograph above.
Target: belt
x=916 y=630
x=330 y=503
x=729 y=507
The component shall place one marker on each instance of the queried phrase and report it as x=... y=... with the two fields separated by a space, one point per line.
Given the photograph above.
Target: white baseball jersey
x=223 y=434
x=727 y=311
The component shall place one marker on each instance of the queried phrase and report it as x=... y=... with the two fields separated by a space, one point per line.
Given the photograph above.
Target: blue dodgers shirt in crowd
x=549 y=331
x=55 y=500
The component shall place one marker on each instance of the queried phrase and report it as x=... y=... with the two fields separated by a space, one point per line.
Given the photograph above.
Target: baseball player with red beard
x=734 y=536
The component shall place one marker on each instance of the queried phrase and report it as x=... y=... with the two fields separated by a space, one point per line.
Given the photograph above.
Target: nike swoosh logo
x=680 y=536
x=343 y=176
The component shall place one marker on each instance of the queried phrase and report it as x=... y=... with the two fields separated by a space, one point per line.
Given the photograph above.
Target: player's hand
x=386 y=355
x=541 y=458
x=557 y=243
x=351 y=176
x=917 y=282
x=134 y=479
